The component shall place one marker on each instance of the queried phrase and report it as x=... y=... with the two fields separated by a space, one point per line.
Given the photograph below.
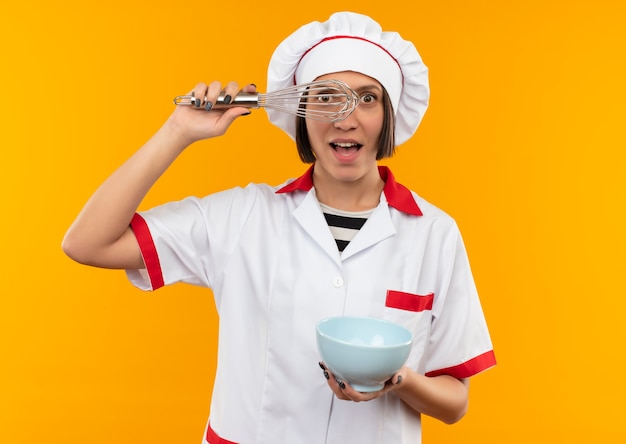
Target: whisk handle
x=246 y=100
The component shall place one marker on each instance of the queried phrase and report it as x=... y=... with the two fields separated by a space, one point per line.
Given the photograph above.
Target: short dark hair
x=386 y=141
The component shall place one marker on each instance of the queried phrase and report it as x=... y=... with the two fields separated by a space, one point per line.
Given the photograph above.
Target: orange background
x=523 y=144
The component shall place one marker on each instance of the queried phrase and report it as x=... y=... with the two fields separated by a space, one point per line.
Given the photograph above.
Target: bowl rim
x=409 y=341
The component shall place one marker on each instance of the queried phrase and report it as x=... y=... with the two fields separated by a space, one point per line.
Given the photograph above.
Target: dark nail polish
x=322 y=366
x=253 y=84
x=208 y=106
x=228 y=99
x=196 y=103
x=326 y=375
x=399 y=379
x=341 y=385
x=247 y=114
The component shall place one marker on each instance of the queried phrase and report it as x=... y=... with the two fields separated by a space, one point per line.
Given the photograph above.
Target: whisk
x=330 y=100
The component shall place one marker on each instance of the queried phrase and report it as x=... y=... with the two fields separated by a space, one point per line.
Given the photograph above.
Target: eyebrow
x=369 y=86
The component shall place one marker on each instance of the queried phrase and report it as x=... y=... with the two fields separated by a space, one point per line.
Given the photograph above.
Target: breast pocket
x=409 y=301
x=413 y=311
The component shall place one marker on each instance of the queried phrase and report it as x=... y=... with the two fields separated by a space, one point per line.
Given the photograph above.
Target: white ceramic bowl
x=363 y=351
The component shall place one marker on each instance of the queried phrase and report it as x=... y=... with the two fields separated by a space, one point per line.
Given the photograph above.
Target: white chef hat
x=352 y=42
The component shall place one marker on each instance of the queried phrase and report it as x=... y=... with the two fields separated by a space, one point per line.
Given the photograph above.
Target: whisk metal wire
x=331 y=100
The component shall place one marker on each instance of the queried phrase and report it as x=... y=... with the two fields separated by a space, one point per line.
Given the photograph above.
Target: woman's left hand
x=343 y=390
x=443 y=397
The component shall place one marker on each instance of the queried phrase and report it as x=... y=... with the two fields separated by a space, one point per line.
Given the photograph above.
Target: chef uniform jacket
x=275 y=271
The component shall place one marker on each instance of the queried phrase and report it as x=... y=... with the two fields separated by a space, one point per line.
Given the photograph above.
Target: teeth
x=345 y=145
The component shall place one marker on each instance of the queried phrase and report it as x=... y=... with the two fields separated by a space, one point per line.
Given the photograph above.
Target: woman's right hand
x=195 y=123
x=100 y=235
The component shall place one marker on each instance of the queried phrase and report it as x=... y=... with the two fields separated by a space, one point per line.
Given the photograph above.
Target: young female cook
x=276 y=266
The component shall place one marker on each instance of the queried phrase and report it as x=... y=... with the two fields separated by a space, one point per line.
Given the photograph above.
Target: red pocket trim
x=409 y=301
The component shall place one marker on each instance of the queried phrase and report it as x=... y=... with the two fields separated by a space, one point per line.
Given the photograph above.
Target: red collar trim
x=398 y=196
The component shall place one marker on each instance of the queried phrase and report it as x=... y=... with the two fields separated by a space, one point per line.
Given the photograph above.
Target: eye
x=323 y=98
x=368 y=98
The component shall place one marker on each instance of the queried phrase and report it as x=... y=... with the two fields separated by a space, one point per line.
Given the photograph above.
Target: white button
x=338 y=281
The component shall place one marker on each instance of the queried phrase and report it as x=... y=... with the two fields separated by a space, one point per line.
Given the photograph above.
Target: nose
x=349 y=122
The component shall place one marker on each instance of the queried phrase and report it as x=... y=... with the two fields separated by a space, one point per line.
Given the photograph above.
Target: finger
x=250 y=88
x=211 y=94
x=338 y=387
x=356 y=396
x=230 y=91
x=323 y=367
x=393 y=383
x=350 y=393
x=334 y=384
x=197 y=94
